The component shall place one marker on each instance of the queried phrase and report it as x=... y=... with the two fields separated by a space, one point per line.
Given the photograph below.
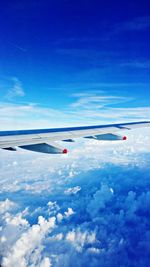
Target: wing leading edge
x=42 y=140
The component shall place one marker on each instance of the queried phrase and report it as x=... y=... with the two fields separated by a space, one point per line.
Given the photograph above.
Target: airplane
x=43 y=140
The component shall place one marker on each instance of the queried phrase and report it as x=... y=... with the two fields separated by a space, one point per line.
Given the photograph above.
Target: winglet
x=65 y=151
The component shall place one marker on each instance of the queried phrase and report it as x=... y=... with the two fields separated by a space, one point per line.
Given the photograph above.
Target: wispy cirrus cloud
x=87 y=108
x=92 y=100
x=140 y=23
x=138 y=64
x=105 y=58
x=136 y=24
x=94 y=103
x=29 y=115
x=18 y=47
x=15 y=89
x=113 y=114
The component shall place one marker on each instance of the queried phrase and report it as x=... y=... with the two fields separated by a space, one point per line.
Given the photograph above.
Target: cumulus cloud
x=6 y=205
x=69 y=212
x=52 y=207
x=45 y=263
x=59 y=217
x=17 y=220
x=72 y=190
x=99 y=200
x=28 y=247
x=80 y=239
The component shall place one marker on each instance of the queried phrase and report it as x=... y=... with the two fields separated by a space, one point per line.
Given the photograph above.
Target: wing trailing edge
x=43 y=140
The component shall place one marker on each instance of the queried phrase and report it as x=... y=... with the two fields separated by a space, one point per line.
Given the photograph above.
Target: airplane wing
x=43 y=140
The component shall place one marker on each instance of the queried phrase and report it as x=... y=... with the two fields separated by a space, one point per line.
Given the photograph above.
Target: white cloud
x=52 y=207
x=71 y=236
x=96 y=107
x=69 y=212
x=80 y=239
x=33 y=116
x=28 y=247
x=17 y=220
x=30 y=116
x=94 y=250
x=45 y=263
x=72 y=190
x=6 y=205
x=112 y=115
x=59 y=217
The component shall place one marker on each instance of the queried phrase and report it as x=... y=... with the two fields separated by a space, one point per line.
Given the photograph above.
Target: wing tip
x=65 y=151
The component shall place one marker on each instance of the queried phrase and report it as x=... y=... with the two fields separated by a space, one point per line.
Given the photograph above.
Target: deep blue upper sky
x=59 y=48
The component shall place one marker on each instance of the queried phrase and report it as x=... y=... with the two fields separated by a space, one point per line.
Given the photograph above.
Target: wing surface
x=25 y=138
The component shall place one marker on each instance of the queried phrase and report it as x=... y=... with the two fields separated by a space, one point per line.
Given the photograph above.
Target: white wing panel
x=29 y=137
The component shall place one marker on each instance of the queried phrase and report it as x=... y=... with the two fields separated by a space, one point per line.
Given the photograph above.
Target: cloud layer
x=89 y=208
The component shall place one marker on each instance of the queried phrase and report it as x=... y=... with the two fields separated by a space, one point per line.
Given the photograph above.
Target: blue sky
x=55 y=55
